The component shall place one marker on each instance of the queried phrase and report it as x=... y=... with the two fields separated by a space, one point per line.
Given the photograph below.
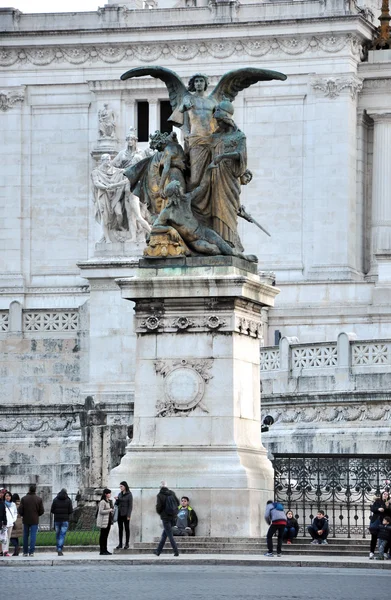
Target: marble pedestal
x=197 y=393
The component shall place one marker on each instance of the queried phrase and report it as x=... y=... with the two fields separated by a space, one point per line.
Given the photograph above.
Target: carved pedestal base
x=163 y=245
x=197 y=394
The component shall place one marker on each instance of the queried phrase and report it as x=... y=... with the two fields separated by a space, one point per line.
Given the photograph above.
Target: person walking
x=30 y=509
x=104 y=520
x=291 y=529
x=3 y=515
x=124 y=501
x=167 y=508
x=380 y=508
x=12 y=513
x=61 y=509
x=276 y=518
x=17 y=531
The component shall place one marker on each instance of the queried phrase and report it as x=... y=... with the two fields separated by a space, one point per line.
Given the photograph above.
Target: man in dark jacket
x=168 y=515
x=319 y=528
x=187 y=519
x=30 y=509
x=62 y=510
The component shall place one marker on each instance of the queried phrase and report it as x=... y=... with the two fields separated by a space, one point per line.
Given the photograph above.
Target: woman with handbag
x=380 y=508
x=12 y=513
x=124 y=503
x=104 y=520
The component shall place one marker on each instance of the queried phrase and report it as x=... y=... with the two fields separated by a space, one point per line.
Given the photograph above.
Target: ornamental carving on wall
x=184 y=50
x=8 y=99
x=332 y=414
x=333 y=86
x=184 y=386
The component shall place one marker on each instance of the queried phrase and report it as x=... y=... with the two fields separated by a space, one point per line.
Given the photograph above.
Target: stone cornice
x=185 y=50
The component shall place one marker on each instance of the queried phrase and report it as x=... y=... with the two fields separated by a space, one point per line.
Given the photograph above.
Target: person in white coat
x=12 y=513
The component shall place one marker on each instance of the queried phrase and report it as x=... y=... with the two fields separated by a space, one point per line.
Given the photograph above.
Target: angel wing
x=234 y=82
x=174 y=84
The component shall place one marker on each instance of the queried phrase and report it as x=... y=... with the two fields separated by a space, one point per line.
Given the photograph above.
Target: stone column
x=381 y=186
x=154 y=121
x=197 y=392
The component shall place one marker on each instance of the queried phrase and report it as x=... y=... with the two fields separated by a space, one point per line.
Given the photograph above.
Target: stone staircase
x=243 y=546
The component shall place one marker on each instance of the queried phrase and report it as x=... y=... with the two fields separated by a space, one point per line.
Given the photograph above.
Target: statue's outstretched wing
x=234 y=82
x=174 y=84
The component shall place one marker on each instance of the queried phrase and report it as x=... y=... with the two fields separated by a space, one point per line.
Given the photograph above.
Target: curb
x=202 y=561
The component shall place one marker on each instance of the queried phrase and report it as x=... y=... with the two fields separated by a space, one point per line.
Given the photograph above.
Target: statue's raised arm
x=235 y=81
x=174 y=84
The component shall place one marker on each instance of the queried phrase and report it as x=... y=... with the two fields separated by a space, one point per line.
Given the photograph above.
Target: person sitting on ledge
x=187 y=519
x=291 y=529
x=319 y=528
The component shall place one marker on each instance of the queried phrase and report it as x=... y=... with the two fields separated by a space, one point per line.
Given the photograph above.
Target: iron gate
x=342 y=486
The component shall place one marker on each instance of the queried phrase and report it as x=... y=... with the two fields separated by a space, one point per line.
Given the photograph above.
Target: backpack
x=278 y=506
x=171 y=507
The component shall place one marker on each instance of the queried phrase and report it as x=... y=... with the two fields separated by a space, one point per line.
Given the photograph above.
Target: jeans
x=61 y=528
x=167 y=533
x=123 y=522
x=382 y=547
x=29 y=530
x=373 y=542
x=315 y=535
x=269 y=538
x=290 y=533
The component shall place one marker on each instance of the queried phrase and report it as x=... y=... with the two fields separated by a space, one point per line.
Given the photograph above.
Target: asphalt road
x=192 y=583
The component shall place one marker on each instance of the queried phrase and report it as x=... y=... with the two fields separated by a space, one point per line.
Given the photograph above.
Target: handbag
x=115 y=513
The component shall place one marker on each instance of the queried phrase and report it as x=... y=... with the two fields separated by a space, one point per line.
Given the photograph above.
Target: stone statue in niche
x=215 y=162
x=116 y=208
x=131 y=154
x=106 y=117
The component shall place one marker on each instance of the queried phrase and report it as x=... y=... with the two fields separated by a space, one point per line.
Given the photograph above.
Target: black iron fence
x=342 y=486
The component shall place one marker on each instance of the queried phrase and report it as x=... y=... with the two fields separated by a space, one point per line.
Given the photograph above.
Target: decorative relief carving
x=214 y=322
x=331 y=414
x=314 y=356
x=182 y=323
x=184 y=51
x=8 y=99
x=3 y=321
x=249 y=327
x=66 y=423
x=50 y=321
x=154 y=322
x=184 y=386
x=333 y=86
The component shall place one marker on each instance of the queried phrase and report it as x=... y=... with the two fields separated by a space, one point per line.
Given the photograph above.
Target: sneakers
x=6 y=554
x=379 y=558
x=324 y=542
x=279 y=554
x=371 y=555
x=60 y=553
x=268 y=554
x=315 y=542
x=31 y=554
x=25 y=554
x=289 y=542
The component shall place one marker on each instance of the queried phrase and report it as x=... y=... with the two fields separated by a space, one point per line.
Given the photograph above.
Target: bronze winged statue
x=211 y=138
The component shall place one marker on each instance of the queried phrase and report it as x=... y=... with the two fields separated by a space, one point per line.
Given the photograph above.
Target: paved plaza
x=193 y=582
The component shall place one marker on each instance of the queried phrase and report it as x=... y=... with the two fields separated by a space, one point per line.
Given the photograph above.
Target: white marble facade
x=319 y=146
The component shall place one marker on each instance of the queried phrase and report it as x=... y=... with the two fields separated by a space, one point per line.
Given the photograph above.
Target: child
x=319 y=528
x=384 y=536
x=292 y=527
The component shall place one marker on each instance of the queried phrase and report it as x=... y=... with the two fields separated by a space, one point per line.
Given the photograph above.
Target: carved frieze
x=39 y=424
x=331 y=414
x=184 y=50
x=184 y=386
